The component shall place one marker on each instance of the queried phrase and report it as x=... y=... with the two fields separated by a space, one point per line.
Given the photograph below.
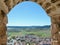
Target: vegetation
x=41 y=32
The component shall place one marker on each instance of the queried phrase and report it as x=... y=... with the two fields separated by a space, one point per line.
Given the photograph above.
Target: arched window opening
x=28 y=22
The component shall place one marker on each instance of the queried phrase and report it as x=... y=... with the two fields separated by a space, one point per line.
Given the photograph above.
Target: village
x=29 y=39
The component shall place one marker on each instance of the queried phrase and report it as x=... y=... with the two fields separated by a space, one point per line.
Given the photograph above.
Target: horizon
x=39 y=25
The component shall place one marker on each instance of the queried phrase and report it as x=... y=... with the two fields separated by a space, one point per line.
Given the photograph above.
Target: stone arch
x=52 y=8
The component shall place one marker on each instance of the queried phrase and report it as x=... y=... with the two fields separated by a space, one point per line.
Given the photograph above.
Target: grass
x=40 y=33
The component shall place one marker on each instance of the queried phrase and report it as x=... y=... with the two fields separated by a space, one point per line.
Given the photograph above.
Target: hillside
x=19 y=28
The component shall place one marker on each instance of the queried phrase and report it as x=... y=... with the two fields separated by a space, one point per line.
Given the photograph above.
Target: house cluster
x=29 y=40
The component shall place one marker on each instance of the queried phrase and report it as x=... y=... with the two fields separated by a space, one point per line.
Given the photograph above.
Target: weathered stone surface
x=3 y=6
x=52 y=7
x=3 y=22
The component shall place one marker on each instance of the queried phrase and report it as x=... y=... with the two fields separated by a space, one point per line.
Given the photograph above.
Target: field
x=22 y=32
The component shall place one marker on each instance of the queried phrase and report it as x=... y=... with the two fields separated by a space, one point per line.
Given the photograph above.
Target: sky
x=28 y=13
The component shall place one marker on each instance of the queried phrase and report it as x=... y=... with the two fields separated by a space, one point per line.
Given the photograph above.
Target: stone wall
x=52 y=7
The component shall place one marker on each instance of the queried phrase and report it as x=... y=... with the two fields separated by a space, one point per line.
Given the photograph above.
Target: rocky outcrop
x=52 y=7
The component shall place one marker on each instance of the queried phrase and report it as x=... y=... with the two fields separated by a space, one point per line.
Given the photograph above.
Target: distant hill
x=29 y=28
x=46 y=26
